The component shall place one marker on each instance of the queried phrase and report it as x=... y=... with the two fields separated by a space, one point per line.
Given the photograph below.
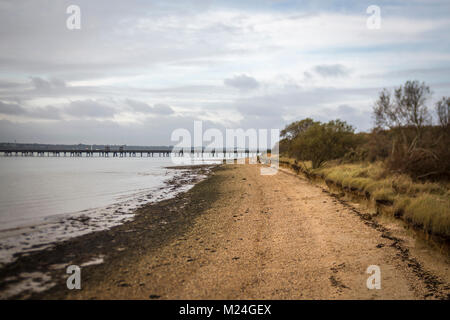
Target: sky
x=137 y=70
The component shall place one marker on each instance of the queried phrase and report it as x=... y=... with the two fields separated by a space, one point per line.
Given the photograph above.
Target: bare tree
x=384 y=111
x=408 y=108
x=410 y=100
x=443 y=112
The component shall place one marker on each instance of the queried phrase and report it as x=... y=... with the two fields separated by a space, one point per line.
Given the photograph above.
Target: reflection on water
x=45 y=200
x=35 y=188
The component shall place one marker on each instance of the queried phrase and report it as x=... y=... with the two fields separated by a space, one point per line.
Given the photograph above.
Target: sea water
x=49 y=199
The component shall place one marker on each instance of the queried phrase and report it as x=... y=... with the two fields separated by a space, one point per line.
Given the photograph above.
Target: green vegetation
x=319 y=142
x=403 y=164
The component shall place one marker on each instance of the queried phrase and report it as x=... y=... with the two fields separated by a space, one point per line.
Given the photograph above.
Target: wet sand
x=241 y=235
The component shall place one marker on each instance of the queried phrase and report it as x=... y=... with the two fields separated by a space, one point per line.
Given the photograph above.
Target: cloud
x=359 y=119
x=57 y=83
x=47 y=112
x=42 y=84
x=85 y=109
x=333 y=70
x=142 y=107
x=89 y=109
x=11 y=109
x=9 y=84
x=307 y=75
x=138 y=106
x=242 y=82
x=148 y=132
x=253 y=107
x=162 y=109
x=14 y=109
x=185 y=55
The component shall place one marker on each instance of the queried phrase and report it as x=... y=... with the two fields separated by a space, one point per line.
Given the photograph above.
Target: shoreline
x=41 y=232
x=34 y=270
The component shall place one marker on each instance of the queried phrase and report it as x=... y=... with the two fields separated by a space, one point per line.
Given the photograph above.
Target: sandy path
x=270 y=237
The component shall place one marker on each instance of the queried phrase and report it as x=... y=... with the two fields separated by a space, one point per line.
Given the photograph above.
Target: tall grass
x=425 y=205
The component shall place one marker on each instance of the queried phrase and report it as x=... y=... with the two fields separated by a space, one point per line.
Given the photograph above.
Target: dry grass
x=426 y=205
x=431 y=212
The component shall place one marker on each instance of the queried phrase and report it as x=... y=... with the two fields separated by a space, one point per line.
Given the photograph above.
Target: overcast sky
x=137 y=70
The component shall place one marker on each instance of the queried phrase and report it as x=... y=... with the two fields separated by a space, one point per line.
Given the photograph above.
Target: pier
x=124 y=153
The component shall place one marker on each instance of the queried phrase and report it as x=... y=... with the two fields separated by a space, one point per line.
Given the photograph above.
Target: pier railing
x=122 y=153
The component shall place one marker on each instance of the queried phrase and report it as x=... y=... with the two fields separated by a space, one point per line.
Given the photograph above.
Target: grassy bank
x=424 y=205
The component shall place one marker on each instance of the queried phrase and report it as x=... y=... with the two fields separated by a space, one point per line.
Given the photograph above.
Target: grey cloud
x=56 y=88
x=271 y=110
x=42 y=84
x=149 y=132
x=48 y=112
x=138 y=106
x=14 y=109
x=307 y=75
x=242 y=82
x=360 y=119
x=82 y=109
x=162 y=109
x=261 y=110
x=253 y=108
x=140 y=38
x=57 y=83
x=143 y=107
x=134 y=35
x=4 y=84
x=11 y=109
x=304 y=98
x=333 y=70
x=89 y=109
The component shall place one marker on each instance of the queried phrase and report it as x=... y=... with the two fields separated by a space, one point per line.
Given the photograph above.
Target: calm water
x=43 y=200
x=35 y=188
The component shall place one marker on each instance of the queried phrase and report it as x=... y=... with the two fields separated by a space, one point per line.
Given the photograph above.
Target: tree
x=417 y=147
x=324 y=141
x=443 y=112
x=408 y=108
x=385 y=111
x=292 y=130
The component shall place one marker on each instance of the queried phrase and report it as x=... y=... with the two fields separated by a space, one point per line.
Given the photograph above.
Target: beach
x=240 y=235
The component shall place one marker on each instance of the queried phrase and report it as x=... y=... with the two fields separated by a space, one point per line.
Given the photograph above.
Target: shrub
x=318 y=142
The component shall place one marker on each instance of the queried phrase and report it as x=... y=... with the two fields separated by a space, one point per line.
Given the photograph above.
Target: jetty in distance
x=46 y=150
